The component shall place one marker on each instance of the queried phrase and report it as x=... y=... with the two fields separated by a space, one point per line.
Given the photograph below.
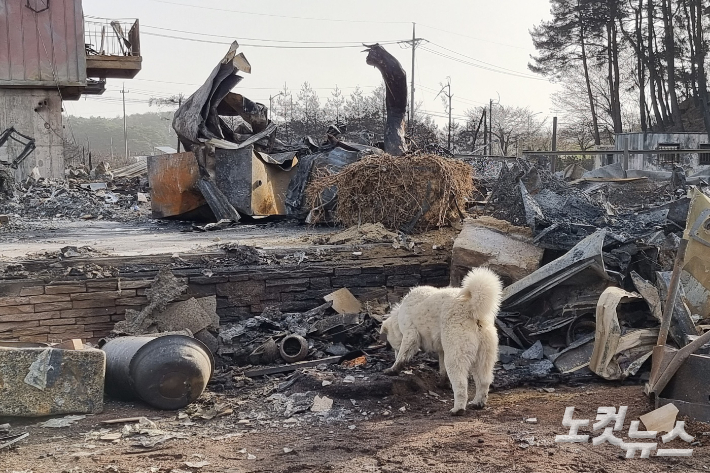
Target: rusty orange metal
x=173 y=184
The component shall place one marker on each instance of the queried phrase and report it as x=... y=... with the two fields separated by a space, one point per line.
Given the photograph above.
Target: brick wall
x=34 y=310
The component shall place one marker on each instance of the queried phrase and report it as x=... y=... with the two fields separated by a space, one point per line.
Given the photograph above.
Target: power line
x=231 y=38
x=272 y=46
x=437 y=53
x=202 y=7
x=473 y=37
x=486 y=63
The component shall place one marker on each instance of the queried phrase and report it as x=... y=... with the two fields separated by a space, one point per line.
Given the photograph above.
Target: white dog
x=456 y=323
x=390 y=327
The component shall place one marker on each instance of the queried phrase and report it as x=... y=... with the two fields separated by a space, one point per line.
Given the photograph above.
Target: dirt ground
x=376 y=424
x=33 y=240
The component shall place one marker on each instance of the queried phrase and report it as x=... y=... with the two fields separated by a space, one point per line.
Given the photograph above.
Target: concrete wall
x=17 y=109
x=650 y=141
x=39 y=311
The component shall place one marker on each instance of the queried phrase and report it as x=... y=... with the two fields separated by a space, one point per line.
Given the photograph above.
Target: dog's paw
x=478 y=405
x=457 y=411
x=391 y=372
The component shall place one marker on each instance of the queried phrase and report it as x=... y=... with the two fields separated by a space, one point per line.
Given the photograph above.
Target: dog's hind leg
x=457 y=368
x=408 y=348
x=443 y=377
x=482 y=368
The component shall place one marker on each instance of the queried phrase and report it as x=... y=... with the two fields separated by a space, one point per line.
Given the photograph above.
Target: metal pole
x=125 y=128
x=626 y=154
x=179 y=105
x=411 y=99
x=553 y=161
x=449 y=143
x=490 y=127
x=485 y=131
x=672 y=293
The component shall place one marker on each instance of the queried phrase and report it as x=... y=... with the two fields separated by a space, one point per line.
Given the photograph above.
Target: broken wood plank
x=292 y=367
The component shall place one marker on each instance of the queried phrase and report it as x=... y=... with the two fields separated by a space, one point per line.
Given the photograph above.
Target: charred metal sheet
x=586 y=254
x=696 y=280
x=682 y=326
x=173 y=184
x=255 y=114
x=396 y=96
x=533 y=212
x=608 y=334
x=224 y=144
x=544 y=326
x=649 y=293
x=218 y=202
x=574 y=357
x=252 y=186
x=198 y=117
x=689 y=389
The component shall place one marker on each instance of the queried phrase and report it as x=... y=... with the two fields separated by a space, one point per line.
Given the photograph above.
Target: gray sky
x=490 y=34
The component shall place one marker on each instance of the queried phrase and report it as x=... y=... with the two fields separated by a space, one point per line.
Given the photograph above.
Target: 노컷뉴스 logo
x=612 y=421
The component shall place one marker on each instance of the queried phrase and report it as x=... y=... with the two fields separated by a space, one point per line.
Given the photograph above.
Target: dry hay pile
x=407 y=193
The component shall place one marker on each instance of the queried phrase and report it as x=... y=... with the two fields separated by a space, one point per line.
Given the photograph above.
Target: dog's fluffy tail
x=482 y=289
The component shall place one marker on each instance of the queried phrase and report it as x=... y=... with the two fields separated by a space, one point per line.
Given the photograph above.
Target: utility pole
x=485 y=131
x=413 y=43
x=271 y=100
x=553 y=163
x=125 y=129
x=447 y=95
x=490 y=127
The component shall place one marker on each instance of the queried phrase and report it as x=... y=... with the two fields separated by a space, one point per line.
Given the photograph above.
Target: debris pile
x=166 y=313
x=276 y=337
x=610 y=244
x=79 y=198
x=407 y=193
x=562 y=213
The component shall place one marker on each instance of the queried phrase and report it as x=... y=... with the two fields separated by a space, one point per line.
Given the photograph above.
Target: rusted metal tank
x=167 y=372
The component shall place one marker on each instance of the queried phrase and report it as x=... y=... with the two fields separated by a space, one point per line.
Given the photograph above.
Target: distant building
x=665 y=141
x=164 y=150
x=50 y=53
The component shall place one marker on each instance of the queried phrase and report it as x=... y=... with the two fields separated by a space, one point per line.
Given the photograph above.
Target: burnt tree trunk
x=396 y=97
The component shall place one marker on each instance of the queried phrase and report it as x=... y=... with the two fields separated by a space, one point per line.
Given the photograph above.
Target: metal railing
x=625 y=153
x=111 y=37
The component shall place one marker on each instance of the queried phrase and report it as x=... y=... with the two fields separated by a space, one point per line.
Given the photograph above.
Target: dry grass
x=407 y=193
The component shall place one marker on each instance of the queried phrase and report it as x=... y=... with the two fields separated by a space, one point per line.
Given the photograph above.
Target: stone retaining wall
x=35 y=310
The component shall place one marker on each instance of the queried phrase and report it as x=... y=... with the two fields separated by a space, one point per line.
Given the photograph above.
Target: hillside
x=145 y=131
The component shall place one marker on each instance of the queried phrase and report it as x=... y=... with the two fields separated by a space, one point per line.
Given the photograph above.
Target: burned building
x=49 y=53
